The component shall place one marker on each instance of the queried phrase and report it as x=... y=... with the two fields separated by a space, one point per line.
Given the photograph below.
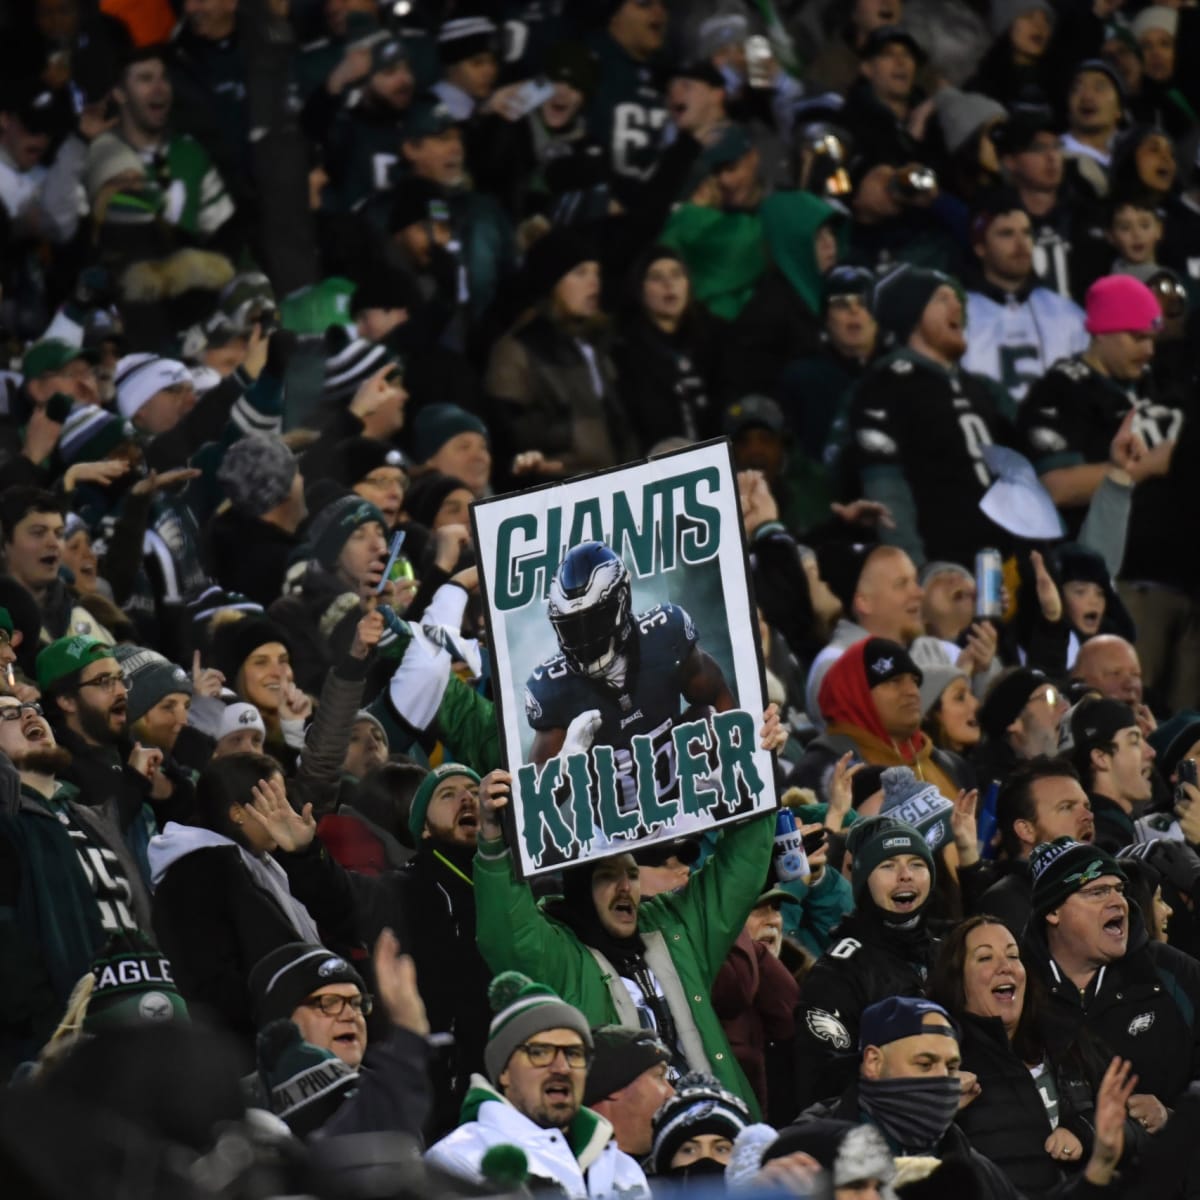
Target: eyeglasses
x=105 y=683
x=14 y=712
x=334 y=1006
x=1048 y=694
x=542 y=1054
x=1101 y=891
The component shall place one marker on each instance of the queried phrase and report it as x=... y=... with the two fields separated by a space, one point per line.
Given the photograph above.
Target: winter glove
x=1179 y=865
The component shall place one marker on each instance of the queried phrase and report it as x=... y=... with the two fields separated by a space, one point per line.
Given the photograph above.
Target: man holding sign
x=617 y=958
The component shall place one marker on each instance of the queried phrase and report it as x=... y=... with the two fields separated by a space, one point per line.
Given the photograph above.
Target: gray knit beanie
x=257 y=473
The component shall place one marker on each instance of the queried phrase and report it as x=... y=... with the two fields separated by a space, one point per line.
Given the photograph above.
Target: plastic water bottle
x=790 y=860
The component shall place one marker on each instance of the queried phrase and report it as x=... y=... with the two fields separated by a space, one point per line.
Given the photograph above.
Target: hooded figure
x=851 y=710
x=882 y=949
x=669 y=352
x=804 y=236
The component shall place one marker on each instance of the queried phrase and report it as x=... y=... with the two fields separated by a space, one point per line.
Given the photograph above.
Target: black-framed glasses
x=334 y=1006
x=105 y=682
x=542 y=1054
x=14 y=712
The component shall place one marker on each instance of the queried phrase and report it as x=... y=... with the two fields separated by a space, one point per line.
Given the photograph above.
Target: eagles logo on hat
x=331 y=966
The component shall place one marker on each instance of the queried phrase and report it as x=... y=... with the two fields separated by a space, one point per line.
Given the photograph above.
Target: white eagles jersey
x=1016 y=342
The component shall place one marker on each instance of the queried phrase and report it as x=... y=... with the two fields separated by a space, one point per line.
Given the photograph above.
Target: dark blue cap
x=900 y=1017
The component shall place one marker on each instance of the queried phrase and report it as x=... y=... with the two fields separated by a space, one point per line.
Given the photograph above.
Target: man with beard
x=430 y=903
x=1099 y=969
x=1020 y=719
x=882 y=949
x=919 y=423
x=67 y=881
x=1040 y=801
x=538 y=1054
x=87 y=702
x=197 y=202
x=1019 y=328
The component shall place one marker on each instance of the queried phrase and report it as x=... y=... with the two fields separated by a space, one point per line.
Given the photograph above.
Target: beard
x=96 y=724
x=45 y=760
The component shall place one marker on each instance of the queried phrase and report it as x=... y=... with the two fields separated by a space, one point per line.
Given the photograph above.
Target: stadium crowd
x=282 y=279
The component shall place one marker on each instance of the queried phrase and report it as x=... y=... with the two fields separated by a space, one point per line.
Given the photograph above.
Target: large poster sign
x=626 y=657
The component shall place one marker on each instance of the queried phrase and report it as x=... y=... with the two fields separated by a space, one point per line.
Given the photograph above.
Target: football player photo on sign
x=626 y=659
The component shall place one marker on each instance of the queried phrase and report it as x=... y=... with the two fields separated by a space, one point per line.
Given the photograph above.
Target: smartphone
x=393 y=554
x=1185 y=772
x=58 y=406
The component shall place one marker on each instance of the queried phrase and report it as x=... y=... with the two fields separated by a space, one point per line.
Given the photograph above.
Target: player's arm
x=547 y=743
x=701 y=681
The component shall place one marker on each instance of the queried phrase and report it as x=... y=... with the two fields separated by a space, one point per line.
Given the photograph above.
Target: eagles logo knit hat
x=133 y=984
x=1061 y=867
x=921 y=805
x=700 y=1105
x=283 y=979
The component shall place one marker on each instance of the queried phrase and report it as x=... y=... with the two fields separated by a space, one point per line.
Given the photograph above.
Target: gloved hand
x=1177 y=863
x=581 y=732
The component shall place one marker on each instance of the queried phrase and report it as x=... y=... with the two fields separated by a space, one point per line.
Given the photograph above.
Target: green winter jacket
x=688 y=935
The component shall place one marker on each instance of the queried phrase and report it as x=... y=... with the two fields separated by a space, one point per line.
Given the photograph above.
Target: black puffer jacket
x=1144 y=1006
x=1008 y=1122
x=866 y=961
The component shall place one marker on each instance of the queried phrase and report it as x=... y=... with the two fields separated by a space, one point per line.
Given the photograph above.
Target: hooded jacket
x=848 y=707
x=687 y=936
x=583 y=1161
x=1144 y=1006
x=214 y=921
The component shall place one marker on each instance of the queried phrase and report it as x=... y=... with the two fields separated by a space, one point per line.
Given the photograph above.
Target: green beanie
x=133 y=985
x=68 y=656
x=524 y=1008
x=877 y=839
x=901 y=297
x=334 y=524
x=420 y=804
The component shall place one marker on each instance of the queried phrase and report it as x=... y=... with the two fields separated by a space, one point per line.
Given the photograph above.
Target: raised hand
x=772 y=736
x=396 y=985
x=495 y=791
x=841 y=790
x=206 y=681
x=367 y=633
x=1049 y=597
x=965 y=827
x=271 y=810
x=297 y=705
x=102 y=473
x=1112 y=1100
x=159 y=480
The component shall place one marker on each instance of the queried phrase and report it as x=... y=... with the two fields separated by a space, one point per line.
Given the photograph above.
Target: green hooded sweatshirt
x=790 y=223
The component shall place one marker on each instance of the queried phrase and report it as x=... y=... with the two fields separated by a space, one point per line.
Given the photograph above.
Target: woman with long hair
x=1034 y=1112
x=221 y=902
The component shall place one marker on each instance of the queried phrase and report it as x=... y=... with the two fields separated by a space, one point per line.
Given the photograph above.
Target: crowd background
x=280 y=279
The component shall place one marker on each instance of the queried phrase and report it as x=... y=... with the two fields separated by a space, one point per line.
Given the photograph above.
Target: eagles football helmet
x=591 y=609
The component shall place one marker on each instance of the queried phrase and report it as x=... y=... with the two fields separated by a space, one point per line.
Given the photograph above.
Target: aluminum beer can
x=989 y=579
